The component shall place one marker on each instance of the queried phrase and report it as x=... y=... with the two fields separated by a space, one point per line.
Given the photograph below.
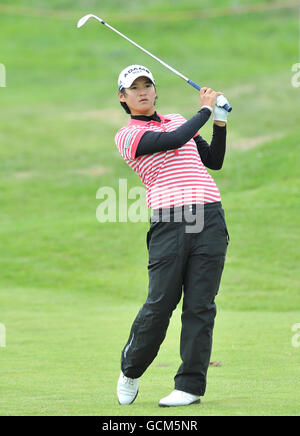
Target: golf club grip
x=194 y=85
x=227 y=107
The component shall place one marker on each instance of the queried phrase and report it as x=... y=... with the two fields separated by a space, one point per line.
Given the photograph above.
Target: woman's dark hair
x=124 y=105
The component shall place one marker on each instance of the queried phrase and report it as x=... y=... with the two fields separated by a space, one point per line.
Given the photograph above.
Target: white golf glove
x=220 y=114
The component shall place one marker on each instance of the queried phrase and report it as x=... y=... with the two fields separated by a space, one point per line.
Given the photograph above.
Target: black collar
x=153 y=117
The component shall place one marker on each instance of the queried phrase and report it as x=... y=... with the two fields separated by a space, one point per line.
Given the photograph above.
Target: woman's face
x=140 y=97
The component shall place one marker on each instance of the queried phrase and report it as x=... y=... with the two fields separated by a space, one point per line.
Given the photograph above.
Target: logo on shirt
x=127 y=140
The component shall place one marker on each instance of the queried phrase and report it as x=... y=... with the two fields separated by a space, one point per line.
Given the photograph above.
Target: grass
x=70 y=286
x=63 y=352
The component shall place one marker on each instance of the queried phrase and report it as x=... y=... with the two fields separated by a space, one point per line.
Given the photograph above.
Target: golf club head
x=84 y=19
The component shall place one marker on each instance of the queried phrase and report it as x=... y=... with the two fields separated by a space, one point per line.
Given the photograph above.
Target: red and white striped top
x=173 y=177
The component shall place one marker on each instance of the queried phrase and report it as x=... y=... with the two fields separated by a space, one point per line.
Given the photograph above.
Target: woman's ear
x=121 y=97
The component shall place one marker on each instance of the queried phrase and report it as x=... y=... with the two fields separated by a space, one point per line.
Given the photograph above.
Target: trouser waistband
x=174 y=213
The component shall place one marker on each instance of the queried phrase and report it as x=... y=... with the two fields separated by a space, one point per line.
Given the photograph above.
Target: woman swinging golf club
x=170 y=157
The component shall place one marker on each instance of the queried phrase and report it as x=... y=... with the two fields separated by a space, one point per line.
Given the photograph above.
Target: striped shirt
x=173 y=177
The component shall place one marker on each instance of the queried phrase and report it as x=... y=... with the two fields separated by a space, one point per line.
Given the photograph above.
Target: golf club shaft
x=227 y=107
x=146 y=51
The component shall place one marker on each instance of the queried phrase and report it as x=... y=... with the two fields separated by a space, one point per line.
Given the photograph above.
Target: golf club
x=221 y=100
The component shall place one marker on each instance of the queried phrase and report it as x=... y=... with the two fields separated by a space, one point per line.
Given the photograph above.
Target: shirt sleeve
x=154 y=142
x=127 y=140
x=212 y=155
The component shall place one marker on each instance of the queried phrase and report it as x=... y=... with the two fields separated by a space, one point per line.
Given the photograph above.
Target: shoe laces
x=128 y=380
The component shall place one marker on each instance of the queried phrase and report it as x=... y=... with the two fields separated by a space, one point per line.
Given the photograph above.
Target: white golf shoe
x=127 y=389
x=179 y=398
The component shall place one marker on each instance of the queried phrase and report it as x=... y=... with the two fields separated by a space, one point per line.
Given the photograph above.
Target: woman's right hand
x=208 y=97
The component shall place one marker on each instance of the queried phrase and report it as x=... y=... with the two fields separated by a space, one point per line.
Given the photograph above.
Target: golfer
x=170 y=157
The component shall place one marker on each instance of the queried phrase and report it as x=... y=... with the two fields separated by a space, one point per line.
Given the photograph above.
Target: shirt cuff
x=208 y=107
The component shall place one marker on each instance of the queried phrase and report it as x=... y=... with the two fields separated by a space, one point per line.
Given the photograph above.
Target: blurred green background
x=71 y=286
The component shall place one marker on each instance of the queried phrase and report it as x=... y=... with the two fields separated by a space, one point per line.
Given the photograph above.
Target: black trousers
x=187 y=259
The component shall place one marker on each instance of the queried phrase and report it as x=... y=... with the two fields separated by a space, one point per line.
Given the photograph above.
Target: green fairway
x=71 y=286
x=63 y=358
